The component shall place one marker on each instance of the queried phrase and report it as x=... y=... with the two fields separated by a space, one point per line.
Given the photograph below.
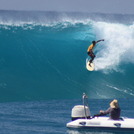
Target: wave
x=117 y=48
x=42 y=55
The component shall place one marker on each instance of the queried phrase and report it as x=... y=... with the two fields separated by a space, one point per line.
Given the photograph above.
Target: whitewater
x=43 y=55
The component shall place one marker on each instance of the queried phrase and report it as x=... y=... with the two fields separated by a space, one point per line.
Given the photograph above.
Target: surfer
x=90 y=50
x=114 y=111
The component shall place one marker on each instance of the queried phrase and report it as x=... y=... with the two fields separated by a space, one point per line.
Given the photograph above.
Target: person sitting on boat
x=114 y=110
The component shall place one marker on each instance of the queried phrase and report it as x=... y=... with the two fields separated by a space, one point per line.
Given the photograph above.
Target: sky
x=101 y=6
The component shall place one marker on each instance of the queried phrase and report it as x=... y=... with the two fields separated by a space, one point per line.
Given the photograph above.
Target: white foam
x=128 y=91
x=118 y=46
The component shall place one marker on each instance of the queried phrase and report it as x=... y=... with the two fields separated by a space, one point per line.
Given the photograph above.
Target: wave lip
x=49 y=17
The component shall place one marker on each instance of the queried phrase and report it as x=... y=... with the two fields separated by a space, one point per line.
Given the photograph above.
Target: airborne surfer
x=90 y=50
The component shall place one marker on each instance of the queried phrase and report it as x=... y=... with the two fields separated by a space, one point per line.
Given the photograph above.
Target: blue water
x=43 y=55
x=43 y=67
x=50 y=117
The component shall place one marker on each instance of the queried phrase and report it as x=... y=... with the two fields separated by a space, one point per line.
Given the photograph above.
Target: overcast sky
x=102 y=6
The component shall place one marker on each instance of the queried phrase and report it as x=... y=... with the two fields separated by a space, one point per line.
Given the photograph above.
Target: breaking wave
x=42 y=55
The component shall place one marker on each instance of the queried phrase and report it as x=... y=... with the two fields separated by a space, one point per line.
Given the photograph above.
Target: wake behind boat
x=81 y=118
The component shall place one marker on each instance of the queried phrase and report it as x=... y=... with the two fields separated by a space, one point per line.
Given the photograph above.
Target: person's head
x=114 y=104
x=94 y=42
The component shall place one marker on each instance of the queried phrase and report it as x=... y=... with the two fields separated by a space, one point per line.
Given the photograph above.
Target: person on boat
x=114 y=110
x=90 y=50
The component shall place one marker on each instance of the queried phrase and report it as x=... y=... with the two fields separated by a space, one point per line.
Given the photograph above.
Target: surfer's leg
x=91 y=54
x=92 y=57
x=89 y=64
x=91 y=61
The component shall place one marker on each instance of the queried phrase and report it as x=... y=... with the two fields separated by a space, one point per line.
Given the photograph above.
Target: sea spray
x=118 y=46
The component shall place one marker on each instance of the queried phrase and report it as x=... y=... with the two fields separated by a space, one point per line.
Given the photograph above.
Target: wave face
x=43 y=55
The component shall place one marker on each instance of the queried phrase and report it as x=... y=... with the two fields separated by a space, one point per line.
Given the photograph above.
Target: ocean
x=43 y=68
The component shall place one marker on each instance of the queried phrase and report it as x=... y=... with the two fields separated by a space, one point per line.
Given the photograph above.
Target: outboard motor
x=81 y=111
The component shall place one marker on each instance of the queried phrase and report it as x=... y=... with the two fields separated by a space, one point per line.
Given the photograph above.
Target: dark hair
x=93 y=42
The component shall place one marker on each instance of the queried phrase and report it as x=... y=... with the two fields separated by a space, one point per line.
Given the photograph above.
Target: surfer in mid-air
x=90 y=50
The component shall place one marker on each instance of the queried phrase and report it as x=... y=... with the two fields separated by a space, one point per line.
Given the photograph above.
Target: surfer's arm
x=99 y=40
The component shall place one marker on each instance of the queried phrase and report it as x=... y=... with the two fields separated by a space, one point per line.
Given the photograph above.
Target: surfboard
x=89 y=67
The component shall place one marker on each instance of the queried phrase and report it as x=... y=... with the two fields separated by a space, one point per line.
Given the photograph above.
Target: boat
x=82 y=119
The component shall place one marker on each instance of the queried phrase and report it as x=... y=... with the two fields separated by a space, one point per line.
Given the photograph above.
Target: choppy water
x=50 y=117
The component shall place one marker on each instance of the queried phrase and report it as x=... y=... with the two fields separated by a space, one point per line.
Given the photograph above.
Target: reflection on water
x=70 y=131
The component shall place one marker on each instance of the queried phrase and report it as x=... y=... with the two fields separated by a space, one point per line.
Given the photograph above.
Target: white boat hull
x=103 y=123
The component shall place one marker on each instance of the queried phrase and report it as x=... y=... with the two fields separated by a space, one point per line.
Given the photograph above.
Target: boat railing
x=85 y=103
